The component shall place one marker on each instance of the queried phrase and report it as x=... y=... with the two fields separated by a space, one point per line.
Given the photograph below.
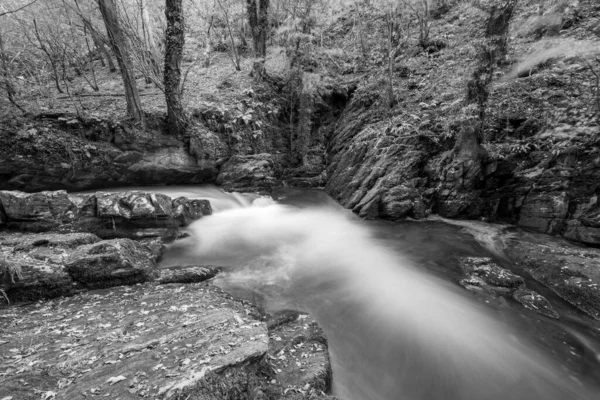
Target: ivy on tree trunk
x=108 y=9
x=491 y=52
x=172 y=76
x=258 y=18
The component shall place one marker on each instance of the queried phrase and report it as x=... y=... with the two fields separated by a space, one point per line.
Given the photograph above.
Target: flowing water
x=386 y=295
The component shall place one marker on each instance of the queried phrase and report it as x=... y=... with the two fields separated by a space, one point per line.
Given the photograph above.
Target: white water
x=394 y=332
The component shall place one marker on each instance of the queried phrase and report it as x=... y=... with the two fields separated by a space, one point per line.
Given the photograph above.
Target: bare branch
x=18 y=9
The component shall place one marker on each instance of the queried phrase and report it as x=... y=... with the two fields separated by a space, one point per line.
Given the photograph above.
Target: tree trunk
x=258 y=18
x=172 y=77
x=478 y=88
x=8 y=86
x=150 y=42
x=263 y=25
x=99 y=43
x=117 y=40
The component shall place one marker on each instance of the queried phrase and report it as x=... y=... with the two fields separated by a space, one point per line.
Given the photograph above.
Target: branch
x=18 y=9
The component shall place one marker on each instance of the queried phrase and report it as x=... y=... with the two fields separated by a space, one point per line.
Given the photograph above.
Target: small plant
x=8 y=273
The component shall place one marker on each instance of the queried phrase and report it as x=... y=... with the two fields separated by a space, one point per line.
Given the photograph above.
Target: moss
x=243 y=382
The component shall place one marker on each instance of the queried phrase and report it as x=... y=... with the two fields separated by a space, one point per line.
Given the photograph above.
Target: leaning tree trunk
x=172 y=75
x=104 y=54
x=117 y=41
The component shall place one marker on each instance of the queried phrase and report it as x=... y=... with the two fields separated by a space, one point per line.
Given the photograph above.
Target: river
x=387 y=296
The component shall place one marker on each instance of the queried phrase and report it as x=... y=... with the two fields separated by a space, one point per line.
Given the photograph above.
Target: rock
x=298 y=352
x=186 y=211
x=535 y=302
x=187 y=274
x=37 y=211
x=577 y=232
x=98 y=154
x=572 y=272
x=544 y=212
x=248 y=172
x=39 y=260
x=110 y=263
x=131 y=214
x=163 y=340
x=490 y=273
x=488 y=279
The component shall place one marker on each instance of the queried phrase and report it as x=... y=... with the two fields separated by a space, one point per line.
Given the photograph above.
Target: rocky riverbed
x=93 y=316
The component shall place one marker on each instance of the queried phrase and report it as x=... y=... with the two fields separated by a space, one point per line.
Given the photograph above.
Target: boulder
x=34 y=264
x=110 y=263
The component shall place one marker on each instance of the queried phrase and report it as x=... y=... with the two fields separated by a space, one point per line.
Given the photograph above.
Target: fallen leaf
x=48 y=395
x=115 y=379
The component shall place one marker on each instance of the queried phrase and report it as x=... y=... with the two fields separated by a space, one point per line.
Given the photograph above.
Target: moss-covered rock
x=111 y=262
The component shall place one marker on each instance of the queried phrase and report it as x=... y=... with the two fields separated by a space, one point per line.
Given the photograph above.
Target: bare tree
x=172 y=76
x=233 y=54
x=6 y=76
x=117 y=40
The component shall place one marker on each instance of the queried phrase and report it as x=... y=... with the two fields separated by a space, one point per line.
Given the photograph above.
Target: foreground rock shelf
x=160 y=342
x=126 y=342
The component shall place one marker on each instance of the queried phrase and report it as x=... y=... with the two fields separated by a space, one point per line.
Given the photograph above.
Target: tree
x=492 y=50
x=6 y=76
x=119 y=45
x=172 y=76
x=258 y=19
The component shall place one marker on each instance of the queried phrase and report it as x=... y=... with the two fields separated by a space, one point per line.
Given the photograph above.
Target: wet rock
x=110 y=263
x=187 y=274
x=186 y=211
x=248 y=172
x=572 y=272
x=535 y=302
x=129 y=342
x=131 y=214
x=485 y=277
x=490 y=273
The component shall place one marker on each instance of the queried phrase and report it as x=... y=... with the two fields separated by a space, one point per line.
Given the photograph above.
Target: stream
x=387 y=296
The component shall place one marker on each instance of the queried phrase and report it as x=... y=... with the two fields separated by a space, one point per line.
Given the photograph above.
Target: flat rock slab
x=145 y=341
x=298 y=355
x=571 y=271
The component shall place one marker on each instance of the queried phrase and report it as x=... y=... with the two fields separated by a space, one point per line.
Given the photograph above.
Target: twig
x=18 y=9
x=106 y=95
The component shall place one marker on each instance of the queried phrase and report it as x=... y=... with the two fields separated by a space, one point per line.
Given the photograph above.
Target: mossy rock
x=110 y=263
